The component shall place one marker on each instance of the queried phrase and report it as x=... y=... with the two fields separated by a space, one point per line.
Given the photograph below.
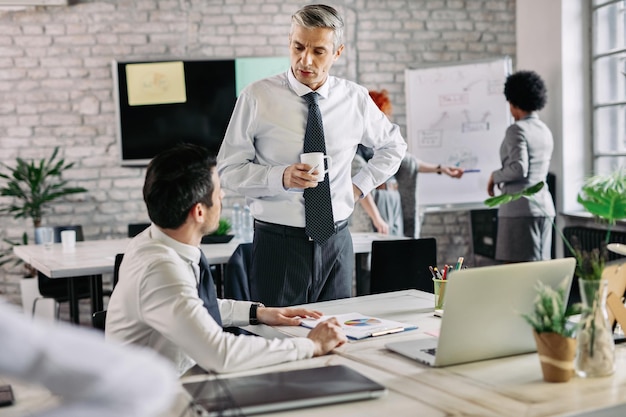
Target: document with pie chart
x=356 y=326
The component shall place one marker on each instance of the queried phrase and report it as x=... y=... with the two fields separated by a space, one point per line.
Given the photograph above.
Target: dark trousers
x=289 y=269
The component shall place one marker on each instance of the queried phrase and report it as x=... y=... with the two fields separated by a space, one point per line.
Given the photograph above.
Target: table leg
x=96 y=293
x=73 y=301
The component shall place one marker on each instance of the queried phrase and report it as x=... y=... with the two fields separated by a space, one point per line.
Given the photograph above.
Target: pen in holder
x=440 y=291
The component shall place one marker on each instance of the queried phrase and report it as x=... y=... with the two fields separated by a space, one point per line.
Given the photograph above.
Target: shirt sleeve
x=170 y=305
x=93 y=378
x=515 y=161
x=235 y=161
x=389 y=149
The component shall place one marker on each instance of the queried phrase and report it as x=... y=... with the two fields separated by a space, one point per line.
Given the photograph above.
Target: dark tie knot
x=311 y=98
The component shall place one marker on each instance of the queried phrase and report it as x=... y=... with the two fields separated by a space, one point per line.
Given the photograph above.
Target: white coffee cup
x=316 y=161
x=68 y=239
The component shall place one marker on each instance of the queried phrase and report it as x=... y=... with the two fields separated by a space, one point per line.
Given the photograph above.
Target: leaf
x=507 y=198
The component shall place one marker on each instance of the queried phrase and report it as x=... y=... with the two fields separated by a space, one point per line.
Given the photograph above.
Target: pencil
x=459 y=263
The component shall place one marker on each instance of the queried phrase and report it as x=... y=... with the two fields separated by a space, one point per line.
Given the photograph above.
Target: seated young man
x=160 y=300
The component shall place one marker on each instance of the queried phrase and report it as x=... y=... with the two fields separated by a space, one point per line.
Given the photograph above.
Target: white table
x=505 y=387
x=96 y=257
x=511 y=386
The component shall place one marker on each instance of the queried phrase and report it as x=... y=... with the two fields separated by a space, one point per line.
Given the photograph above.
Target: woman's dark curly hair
x=526 y=90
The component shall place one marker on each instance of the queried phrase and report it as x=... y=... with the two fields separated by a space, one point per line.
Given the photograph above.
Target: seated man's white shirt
x=156 y=304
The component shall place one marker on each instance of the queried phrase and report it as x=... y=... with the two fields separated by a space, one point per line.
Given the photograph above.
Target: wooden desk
x=511 y=386
x=96 y=257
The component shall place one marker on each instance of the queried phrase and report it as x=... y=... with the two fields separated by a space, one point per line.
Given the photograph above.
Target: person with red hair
x=383 y=205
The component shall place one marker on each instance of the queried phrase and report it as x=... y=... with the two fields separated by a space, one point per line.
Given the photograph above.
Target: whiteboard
x=457 y=115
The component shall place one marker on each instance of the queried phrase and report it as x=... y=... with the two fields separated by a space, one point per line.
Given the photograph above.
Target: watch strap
x=253 y=313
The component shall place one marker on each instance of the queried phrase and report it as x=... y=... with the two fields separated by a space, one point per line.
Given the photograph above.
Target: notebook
x=278 y=391
x=482 y=313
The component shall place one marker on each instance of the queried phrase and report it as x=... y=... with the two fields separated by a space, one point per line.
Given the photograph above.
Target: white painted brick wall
x=56 y=86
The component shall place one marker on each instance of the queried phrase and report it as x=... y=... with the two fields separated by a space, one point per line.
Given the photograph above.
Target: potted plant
x=221 y=234
x=603 y=196
x=553 y=334
x=33 y=186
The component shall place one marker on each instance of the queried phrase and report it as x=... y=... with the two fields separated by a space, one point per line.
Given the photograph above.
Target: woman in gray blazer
x=524 y=226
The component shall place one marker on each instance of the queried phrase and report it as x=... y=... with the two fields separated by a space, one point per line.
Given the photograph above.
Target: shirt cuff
x=304 y=346
x=364 y=182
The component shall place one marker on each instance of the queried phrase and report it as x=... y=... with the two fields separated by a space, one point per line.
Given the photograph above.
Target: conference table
x=93 y=258
x=505 y=387
x=510 y=386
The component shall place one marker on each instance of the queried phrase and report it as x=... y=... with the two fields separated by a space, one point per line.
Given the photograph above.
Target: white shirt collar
x=188 y=252
x=301 y=89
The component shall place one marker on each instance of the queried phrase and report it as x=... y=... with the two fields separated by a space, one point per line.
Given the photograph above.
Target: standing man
x=165 y=298
x=277 y=119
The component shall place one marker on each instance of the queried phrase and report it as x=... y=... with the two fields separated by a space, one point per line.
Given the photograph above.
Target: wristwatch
x=253 y=309
x=439 y=169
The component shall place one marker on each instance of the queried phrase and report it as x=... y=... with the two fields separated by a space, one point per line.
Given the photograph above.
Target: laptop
x=279 y=391
x=482 y=313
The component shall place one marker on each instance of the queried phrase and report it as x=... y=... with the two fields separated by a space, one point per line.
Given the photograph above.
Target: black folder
x=278 y=391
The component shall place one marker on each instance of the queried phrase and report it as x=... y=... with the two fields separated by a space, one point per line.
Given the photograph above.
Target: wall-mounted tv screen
x=163 y=103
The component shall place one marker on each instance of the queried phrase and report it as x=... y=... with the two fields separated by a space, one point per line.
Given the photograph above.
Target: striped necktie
x=318 y=209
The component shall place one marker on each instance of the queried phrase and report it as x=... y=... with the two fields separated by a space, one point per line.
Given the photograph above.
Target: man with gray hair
x=302 y=248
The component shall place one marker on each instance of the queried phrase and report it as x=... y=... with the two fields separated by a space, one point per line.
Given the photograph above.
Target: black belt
x=290 y=230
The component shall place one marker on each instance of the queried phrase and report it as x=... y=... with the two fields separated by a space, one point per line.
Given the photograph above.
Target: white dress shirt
x=156 y=304
x=266 y=135
x=92 y=378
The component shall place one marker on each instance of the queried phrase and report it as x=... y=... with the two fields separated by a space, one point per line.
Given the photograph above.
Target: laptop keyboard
x=430 y=351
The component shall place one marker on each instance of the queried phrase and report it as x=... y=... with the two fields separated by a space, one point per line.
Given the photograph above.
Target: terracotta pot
x=556 y=354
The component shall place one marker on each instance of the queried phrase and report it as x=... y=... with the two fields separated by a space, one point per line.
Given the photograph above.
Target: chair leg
x=35 y=306
x=56 y=304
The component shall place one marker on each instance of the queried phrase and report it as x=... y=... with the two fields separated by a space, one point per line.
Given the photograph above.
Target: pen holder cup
x=440 y=291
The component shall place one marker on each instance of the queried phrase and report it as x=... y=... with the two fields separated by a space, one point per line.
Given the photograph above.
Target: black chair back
x=98 y=319
x=77 y=228
x=135 y=228
x=402 y=264
x=237 y=273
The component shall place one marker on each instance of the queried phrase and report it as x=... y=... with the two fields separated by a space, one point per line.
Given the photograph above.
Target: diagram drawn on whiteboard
x=457 y=115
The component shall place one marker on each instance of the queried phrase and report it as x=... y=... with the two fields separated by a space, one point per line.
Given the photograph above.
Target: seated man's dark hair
x=176 y=180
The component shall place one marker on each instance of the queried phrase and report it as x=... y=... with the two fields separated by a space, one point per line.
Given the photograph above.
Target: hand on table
x=327 y=336
x=285 y=316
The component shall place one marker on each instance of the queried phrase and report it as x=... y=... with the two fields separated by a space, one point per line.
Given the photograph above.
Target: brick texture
x=56 y=85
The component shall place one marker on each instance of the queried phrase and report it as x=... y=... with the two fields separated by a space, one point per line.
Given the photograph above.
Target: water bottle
x=236 y=220
x=246 y=225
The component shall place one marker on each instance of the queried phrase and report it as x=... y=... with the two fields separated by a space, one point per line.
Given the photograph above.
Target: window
x=609 y=84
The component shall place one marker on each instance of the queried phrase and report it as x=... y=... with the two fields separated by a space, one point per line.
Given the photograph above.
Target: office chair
x=135 y=228
x=57 y=288
x=402 y=264
x=98 y=319
x=237 y=273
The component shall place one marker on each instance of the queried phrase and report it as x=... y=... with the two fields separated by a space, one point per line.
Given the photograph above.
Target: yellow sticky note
x=156 y=83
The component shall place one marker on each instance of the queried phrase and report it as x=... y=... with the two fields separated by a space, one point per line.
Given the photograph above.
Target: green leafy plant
x=550 y=313
x=223 y=228
x=34 y=185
